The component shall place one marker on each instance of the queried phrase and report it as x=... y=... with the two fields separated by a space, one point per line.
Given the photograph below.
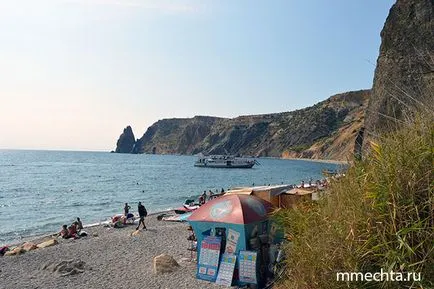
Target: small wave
x=162 y=210
x=77 y=204
x=182 y=198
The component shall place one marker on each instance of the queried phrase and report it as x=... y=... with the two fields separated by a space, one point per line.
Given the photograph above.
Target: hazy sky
x=74 y=73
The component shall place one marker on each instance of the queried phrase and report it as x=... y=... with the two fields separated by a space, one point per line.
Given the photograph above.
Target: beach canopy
x=300 y=191
x=234 y=209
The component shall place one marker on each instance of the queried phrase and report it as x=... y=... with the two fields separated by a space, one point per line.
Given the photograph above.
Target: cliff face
x=405 y=67
x=326 y=130
x=176 y=135
x=126 y=141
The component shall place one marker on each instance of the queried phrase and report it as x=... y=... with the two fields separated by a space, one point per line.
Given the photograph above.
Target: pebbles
x=65 y=268
x=114 y=259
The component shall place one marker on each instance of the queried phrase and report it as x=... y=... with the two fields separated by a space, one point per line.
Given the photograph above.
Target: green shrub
x=380 y=215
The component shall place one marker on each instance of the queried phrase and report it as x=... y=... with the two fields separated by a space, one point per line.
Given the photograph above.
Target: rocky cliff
x=403 y=83
x=126 y=141
x=326 y=130
x=404 y=74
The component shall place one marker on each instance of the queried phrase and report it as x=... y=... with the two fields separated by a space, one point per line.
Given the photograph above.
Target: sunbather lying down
x=119 y=221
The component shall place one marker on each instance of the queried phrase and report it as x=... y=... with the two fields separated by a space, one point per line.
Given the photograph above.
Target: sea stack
x=126 y=141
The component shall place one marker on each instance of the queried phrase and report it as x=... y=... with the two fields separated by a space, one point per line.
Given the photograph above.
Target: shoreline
x=109 y=152
x=34 y=238
x=35 y=232
x=335 y=162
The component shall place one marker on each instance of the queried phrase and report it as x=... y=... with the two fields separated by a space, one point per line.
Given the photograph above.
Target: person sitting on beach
x=126 y=209
x=79 y=224
x=142 y=213
x=72 y=230
x=64 y=233
x=201 y=200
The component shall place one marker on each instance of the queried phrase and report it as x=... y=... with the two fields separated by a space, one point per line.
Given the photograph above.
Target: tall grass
x=380 y=215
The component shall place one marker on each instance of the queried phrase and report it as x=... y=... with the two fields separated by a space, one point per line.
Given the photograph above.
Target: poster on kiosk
x=209 y=258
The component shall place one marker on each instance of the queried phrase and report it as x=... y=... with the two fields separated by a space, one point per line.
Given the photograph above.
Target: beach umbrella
x=233 y=209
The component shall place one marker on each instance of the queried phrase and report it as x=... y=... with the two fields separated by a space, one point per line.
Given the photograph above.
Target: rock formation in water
x=326 y=130
x=126 y=141
x=404 y=76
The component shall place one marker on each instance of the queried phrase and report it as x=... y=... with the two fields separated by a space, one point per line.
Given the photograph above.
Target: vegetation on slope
x=380 y=215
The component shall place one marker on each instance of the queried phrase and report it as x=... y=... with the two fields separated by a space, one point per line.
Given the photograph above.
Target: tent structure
x=241 y=221
x=290 y=198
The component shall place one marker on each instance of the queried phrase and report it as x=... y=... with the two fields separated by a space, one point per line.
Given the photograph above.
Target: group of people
x=75 y=230
x=317 y=184
x=209 y=196
x=142 y=214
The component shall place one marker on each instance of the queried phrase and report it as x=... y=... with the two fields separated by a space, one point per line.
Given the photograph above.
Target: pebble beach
x=109 y=258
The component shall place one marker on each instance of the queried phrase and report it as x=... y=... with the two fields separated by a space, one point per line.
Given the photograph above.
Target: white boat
x=220 y=161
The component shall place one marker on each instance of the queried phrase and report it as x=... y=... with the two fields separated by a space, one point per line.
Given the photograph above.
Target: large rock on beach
x=135 y=233
x=164 y=264
x=48 y=243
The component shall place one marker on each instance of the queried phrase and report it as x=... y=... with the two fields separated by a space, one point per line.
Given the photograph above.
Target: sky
x=75 y=73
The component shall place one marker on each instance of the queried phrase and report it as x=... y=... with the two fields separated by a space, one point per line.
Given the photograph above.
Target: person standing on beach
x=142 y=213
x=202 y=198
x=126 y=209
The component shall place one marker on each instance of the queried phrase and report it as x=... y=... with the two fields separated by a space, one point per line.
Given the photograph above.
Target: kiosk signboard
x=247 y=266
x=226 y=271
x=209 y=258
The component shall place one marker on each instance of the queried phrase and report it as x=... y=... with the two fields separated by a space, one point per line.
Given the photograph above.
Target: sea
x=42 y=190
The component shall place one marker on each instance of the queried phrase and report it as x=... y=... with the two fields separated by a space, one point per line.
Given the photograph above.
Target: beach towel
x=176 y=218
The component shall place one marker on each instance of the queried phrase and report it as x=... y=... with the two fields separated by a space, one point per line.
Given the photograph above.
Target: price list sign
x=226 y=270
x=209 y=258
x=247 y=266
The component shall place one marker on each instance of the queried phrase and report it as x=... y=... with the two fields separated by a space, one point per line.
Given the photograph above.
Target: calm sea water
x=41 y=190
